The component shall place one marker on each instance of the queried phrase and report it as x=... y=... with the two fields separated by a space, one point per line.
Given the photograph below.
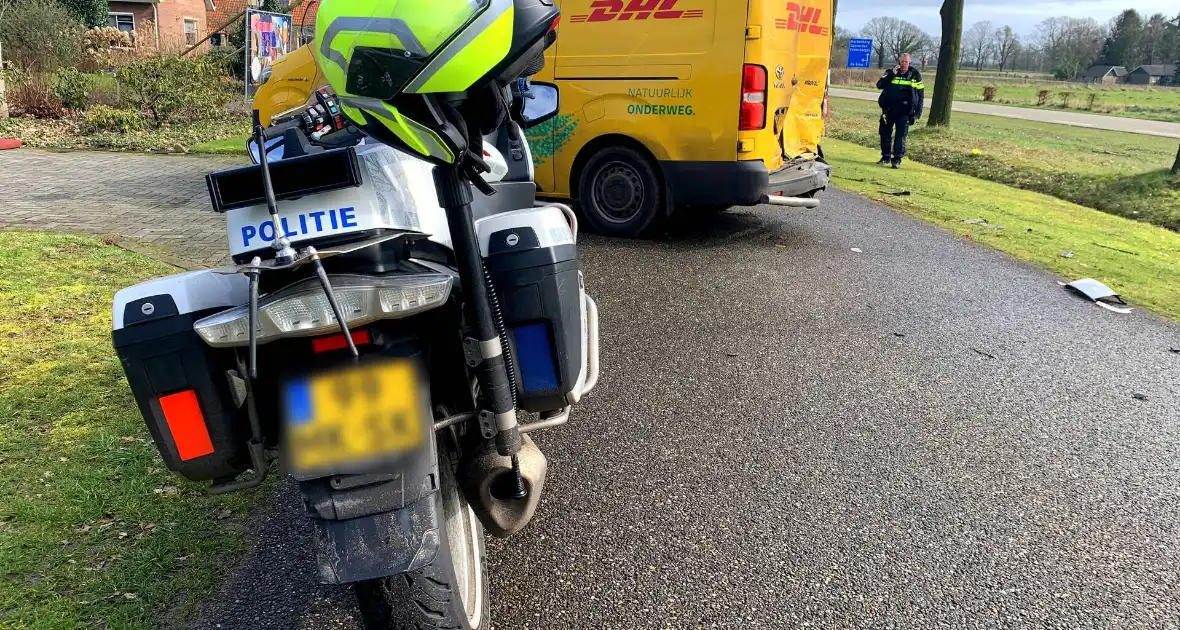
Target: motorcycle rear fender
x=379 y=524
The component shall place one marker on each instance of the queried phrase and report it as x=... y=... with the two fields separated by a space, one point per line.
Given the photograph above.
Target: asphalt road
x=791 y=434
x=1074 y=119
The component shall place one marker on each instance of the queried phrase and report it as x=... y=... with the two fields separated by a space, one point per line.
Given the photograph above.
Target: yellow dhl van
x=670 y=103
x=664 y=104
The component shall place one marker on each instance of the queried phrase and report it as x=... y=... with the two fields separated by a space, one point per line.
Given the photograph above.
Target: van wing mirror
x=542 y=101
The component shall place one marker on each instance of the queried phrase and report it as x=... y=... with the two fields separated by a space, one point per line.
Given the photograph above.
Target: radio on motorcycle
x=533 y=262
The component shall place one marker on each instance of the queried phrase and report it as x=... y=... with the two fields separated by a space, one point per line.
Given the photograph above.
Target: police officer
x=901 y=101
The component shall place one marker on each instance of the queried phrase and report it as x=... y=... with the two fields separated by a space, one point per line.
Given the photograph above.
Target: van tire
x=621 y=192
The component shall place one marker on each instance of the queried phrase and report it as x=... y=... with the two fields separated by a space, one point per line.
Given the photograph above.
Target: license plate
x=353 y=419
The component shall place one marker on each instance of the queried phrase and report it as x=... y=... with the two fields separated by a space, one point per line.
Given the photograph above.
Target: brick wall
x=144 y=33
x=172 y=15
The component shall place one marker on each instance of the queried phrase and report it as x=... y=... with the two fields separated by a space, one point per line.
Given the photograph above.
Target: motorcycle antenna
x=284 y=253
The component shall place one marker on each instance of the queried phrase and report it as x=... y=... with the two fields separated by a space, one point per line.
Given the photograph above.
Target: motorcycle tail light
x=302 y=309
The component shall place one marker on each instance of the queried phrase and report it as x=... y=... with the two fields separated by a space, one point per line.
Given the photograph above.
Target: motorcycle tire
x=449 y=593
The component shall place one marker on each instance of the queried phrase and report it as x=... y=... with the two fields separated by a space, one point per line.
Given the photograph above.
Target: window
x=123 y=21
x=190 y=31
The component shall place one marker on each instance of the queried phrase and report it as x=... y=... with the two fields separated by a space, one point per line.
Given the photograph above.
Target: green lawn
x=1140 y=261
x=1132 y=101
x=235 y=145
x=94 y=531
x=1120 y=173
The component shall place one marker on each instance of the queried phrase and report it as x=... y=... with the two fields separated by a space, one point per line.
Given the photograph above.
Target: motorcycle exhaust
x=489 y=483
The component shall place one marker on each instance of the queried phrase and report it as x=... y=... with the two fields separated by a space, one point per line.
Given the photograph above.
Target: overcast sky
x=1022 y=16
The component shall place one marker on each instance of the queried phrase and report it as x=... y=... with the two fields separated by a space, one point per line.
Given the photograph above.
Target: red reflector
x=338 y=342
x=554 y=25
x=182 y=412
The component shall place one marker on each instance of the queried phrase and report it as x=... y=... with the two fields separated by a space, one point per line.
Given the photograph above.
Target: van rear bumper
x=740 y=183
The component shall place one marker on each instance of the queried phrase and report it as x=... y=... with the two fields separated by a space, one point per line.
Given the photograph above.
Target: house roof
x=1163 y=70
x=1120 y=71
x=1095 y=72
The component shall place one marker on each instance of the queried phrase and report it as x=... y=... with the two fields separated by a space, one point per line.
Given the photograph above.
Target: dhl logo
x=621 y=10
x=802 y=19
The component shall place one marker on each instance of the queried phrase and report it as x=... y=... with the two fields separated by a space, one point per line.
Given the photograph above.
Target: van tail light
x=186 y=423
x=753 y=112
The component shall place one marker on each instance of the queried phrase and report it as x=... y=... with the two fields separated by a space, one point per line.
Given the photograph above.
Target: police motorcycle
x=400 y=314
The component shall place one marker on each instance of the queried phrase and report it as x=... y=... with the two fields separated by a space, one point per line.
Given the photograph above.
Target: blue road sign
x=860 y=53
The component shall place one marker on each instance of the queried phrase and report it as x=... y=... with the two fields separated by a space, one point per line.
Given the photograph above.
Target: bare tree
x=840 y=38
x=892 y=37
x=1006 y=45
x=1069 y=44
x=1155 y=43
x=881 y=29
x=948 y=63
x=977 y=42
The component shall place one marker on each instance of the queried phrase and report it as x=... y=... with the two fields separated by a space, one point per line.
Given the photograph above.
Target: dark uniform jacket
x=902 y=95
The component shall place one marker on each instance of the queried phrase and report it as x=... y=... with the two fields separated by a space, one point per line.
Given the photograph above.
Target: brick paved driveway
x=158 y=199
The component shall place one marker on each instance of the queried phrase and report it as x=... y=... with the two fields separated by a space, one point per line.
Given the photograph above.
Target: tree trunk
x=1176 y=164
x=948 y=68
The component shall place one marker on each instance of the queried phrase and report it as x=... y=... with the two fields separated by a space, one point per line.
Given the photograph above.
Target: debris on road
x=897 y=334
x=1139 y=396
x=857 y=250
x=1099 y=293
x=986 y=354
x=1115 y=249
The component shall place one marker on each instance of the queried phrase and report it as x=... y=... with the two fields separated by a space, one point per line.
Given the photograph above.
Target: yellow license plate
x=352 y=419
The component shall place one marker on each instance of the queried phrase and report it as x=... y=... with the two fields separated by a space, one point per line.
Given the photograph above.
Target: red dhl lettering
x=624 y=10
x=802 y=19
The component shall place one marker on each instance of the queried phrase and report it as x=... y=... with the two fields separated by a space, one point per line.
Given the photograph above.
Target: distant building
x=174 y=24
x=1108 y=75
x=1153 y=75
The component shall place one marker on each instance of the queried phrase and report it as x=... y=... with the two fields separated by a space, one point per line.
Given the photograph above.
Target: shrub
x=40 y=36
x=71 y=88
x=989 y=93
x=166 y=86
x=105 y=49
x=89 y=12
x=119 y=120
x=1043 y=97
x=1065 y=98
x=1091 y=100
x=31 y=94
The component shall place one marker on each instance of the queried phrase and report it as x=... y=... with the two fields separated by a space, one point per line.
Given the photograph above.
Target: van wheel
x=620 y=192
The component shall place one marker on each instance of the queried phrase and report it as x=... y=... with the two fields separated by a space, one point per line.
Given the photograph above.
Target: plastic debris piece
x=1067 y=254
x=857 y=250
x=1139 y=396
x=1100 y=294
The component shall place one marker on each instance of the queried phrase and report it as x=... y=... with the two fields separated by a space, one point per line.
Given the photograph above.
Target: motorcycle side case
x=179 y=382
x=533 y=262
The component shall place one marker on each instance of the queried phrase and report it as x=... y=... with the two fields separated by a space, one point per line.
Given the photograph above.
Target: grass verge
x=1120 y=173
x=1127 y=101
x=94 y=531
x=1140 y=261
x=234 y=145
x=181 y=137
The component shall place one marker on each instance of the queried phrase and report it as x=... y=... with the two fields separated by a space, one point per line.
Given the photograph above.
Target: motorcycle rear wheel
x=449 y=593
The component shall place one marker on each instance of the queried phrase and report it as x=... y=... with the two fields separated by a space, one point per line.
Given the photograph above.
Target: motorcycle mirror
x=274 y=150
x=542 y=101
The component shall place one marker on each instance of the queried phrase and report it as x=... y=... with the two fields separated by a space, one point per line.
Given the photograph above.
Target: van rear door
x=781 y=40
